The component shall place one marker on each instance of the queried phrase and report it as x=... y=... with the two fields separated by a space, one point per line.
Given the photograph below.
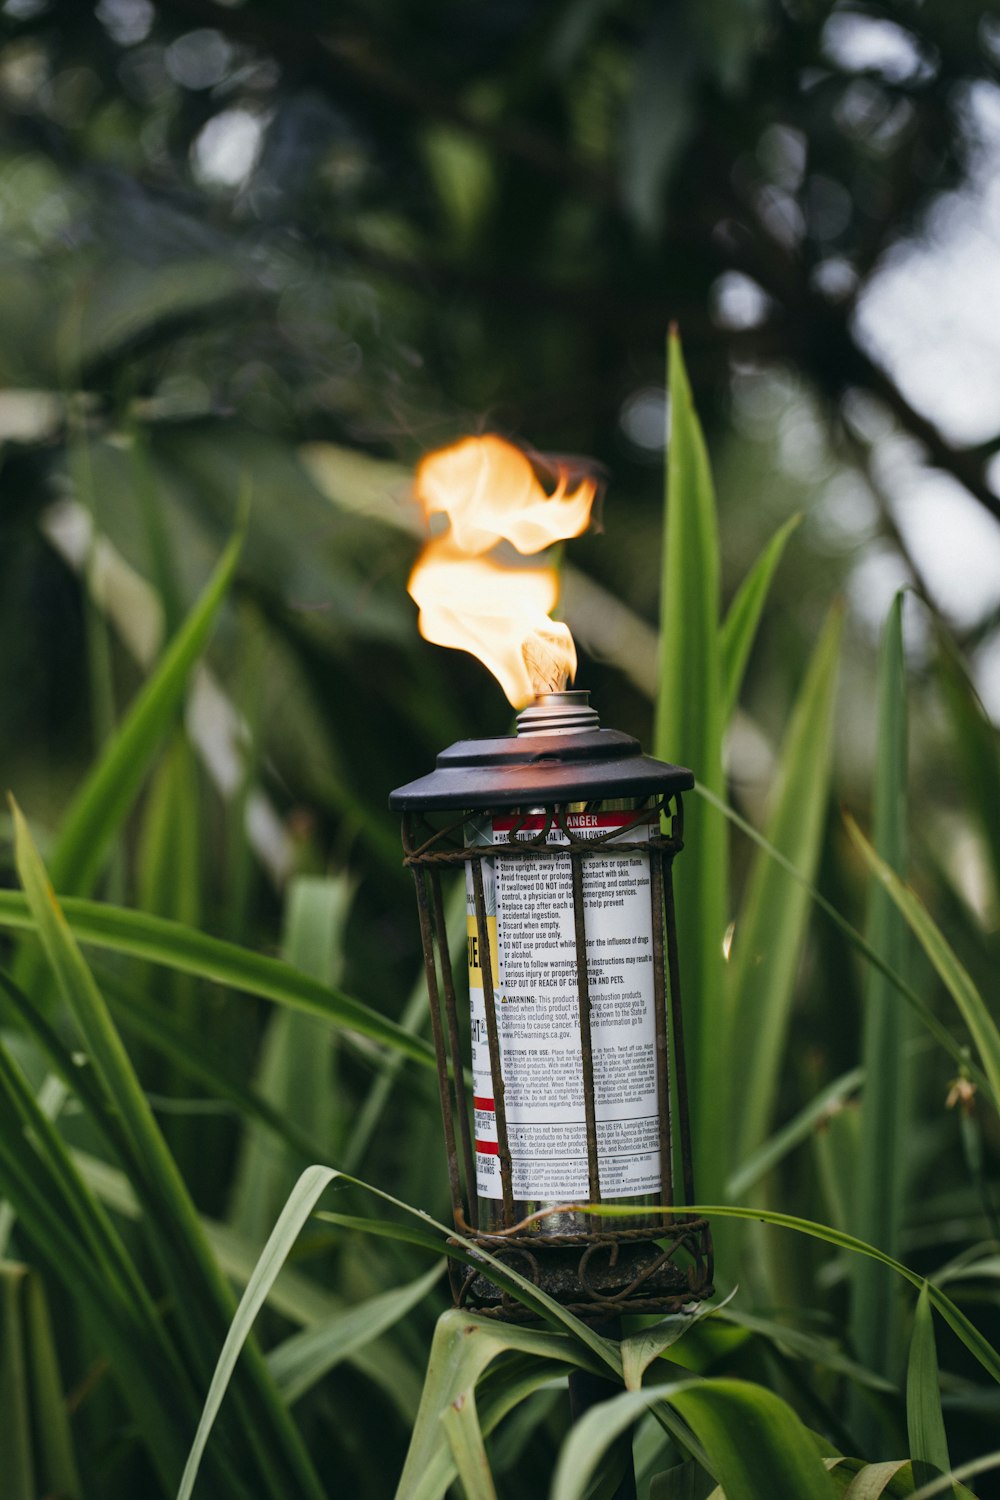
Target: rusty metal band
x=474 y=853
x=556 y=812
x=679 y=1273
x=493 y=1039
x=677 y=1028
x=586 y=1045
x=684 y=1231
x=430 y=969
x=664 y=1093
x=455 y=1047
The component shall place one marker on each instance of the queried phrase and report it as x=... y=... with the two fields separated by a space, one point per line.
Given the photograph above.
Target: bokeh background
x=270 y=253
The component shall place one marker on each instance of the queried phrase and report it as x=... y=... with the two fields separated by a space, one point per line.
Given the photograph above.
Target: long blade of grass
x=754 y=1442
x=202 y=1297
x=739 y=628
x=806 y=1346
x=162 y=1031
x=296 y=1069
x=924 y=1421
x=464 y=1347
x=460 y=1421
x=927 y=1018
x=770 y=930
x=57 y=1457
x=295 y=1296
x=578 y=1350
x=196 y=1058
x=96 y=813
x=975 y=1341
x=177 y=947
x=415 y=1015
x=799 y=1129
x=640 y=1349
x=957 y=980
x=304 y=1358
x=70 y=1230
x=52 y=1095
x=314 y=1181
x=296 y=1211
x=946 y=1482
x=877 y=1199
x=884 y=1481
x=688 y=730
x=16 y=1447
x=978 y=746
x=502 y=1388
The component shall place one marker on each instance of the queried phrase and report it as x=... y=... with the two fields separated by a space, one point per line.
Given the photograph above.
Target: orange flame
x=499 y=612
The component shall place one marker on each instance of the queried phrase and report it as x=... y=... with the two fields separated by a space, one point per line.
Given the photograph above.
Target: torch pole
x=587 y=1391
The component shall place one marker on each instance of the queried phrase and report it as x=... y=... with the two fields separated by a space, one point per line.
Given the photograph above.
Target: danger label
x=532 y=938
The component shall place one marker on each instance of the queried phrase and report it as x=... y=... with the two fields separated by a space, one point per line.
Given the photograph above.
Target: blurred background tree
x=248 y=243
x=280 y=250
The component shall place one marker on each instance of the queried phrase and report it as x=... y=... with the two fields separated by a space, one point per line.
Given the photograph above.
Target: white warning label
x=529 y=906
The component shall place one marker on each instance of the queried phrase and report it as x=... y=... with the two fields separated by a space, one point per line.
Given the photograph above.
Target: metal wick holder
x=559 y=762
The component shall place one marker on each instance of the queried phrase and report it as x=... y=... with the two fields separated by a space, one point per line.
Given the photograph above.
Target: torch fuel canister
x=569 y=1058
x=530 y=918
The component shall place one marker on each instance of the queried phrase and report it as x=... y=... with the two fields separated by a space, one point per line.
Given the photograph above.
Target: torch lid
x=526 y=768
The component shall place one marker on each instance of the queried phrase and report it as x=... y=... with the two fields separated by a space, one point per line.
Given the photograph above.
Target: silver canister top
x=567 y=712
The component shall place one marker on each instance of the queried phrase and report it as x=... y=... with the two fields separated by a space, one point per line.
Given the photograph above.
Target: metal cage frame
x=665 y=1261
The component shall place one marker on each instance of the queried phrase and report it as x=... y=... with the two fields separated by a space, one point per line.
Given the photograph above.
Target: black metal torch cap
x=516 y=770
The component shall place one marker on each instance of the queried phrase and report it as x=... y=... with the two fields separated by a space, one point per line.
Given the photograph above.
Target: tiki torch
x=570 y=1092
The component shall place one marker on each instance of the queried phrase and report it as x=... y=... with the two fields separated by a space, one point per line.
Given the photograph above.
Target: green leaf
x=640 y=1349
x=978 y=746
x=770 y=929
x=295 y=1296
x=739 y=628
x=304 y=1358
x=16 y=1448
x=504 y=1386
x=36 y=1445
x=688 y=731
x=956 y=977
x=405 y=1234
x=659 y=114
x=797 y=1130
x=99 y=807
x=947 y=1481
x=126 y=301
x=924 y=1421
x=202 y=1297
x=465 y=1439
x=927 y=1018
x=296 y=1073
x=189 y=952
x=686 y=1481
x=754 y=1442
x=57 y=1460
x=195 y=1057
x=881 y=1480
x=803 y=1345
x=300 y=1205
x=464 y=1346
x=977 y=1344
x=877 y=1199
x=415 y=1015
x=69 y=1228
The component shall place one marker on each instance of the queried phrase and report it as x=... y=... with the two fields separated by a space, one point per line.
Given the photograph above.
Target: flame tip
x=490 y=493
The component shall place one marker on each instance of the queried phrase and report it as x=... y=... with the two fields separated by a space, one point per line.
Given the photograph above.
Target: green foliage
x=885 y=1109
x=170 y=1088
x=688 y=731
